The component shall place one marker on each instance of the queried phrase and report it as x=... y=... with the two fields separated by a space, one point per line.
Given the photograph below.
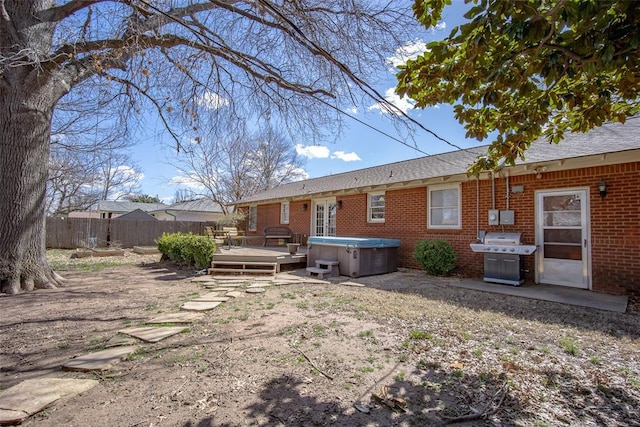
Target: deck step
x=331 y=266
x=216 y=270
x=320 y=262
x=270 y=264
x=318 y=271
x=243 y=267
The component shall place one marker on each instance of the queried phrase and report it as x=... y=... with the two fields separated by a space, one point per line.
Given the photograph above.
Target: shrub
x=187 y=249
x=436 y=256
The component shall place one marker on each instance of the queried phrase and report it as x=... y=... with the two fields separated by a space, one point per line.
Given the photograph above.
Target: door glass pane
x=562 y=203
x=562 y=218
x=320 y=219
x=562 y=228
x=563 y=252
x=331 y=221
x=563 y=235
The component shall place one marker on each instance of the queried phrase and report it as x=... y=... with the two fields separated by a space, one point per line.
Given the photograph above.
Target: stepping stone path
x=200 y=305
x=153 y=333
x=31 y=396
x=181 y=317
x=100 y=360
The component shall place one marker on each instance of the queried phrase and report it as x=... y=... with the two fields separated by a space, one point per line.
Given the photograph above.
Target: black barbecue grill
x=502 y=253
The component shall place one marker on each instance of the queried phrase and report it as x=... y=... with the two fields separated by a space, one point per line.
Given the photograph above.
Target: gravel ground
x=404 y=349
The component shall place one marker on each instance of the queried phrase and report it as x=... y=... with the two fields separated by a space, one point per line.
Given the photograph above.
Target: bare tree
x=239 y=165
x=275 y=161
x=143 y=198
x=293 y=63
x=69 y=183
x=78 y=178
x=184 y=195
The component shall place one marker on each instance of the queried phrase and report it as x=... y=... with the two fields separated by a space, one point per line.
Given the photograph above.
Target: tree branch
x=155 y=103
x=58 y=13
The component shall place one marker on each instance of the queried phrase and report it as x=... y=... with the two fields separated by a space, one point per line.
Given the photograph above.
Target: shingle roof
x=200 y=205
x=126 y=206
x=609 y=138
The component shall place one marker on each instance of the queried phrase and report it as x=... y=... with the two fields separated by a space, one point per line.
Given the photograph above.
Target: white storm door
x=324 y=217
x=562 y=236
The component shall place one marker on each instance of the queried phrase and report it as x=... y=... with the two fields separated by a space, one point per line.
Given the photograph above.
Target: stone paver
x=200 y=305
x=119 y=341
x=259 y=285
x=100 y=360
x=212 y=298
x=22 y=400
x=224 y=290
x=234 y=294
x=153 y=333
x=231 y=284
x=359 y=285
x=182 y=317
x=203 y=279
x=255 y=290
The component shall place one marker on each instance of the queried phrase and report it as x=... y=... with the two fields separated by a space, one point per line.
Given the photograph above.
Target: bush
x=187 y=249
x=436 y=256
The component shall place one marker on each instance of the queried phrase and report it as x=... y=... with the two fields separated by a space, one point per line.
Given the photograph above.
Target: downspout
x=170 y=214
x=493 y=190
x=508 y=192
x=478 y=208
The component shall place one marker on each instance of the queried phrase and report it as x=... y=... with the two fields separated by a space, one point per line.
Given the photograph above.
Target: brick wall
x=614 y=221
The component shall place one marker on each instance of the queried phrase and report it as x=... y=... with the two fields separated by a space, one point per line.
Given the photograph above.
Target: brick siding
x=614 y=221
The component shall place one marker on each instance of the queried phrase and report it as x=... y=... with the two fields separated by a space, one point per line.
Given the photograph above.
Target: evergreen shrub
x=436 y=256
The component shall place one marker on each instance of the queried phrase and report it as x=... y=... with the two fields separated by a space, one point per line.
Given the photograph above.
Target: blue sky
x=358 y=147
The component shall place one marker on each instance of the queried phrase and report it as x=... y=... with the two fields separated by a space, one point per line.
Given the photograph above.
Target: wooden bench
x=230 y=235
x=277 y=233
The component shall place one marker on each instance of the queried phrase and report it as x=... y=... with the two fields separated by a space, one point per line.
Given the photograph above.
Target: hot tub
x=358 y=256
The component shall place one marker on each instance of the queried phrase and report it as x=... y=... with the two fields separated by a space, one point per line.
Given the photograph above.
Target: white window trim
x=253 y=227
x=284 y=205
x=444 y=187
x=376 y=220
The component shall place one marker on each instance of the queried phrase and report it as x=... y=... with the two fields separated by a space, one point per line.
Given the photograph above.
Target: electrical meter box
x=507 y=217
x=494 y=217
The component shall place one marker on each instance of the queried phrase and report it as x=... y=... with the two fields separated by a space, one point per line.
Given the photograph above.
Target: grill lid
x=507 y=239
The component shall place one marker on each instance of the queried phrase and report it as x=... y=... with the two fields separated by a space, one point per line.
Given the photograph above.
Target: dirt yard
x=405 y=349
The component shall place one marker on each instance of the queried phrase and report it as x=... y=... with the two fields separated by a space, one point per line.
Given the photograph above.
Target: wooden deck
x=246 y=254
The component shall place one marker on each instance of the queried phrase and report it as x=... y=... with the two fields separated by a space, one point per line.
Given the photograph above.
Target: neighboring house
x=585 y=239
x=202 y=210
x=113 y=209
x=137 y=214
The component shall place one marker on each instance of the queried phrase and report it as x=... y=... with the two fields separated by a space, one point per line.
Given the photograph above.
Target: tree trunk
x=25 y=126
x=28 y=95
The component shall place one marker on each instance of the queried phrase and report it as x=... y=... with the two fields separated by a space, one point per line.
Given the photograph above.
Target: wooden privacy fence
x=71 y=233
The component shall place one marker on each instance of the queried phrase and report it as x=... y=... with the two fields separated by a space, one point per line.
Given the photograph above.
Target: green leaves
x=526 y=69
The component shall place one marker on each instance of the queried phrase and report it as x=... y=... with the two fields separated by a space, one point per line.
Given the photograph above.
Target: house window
x=253 y=218
x=444 y=207
x=375 y=207
x=284 y=213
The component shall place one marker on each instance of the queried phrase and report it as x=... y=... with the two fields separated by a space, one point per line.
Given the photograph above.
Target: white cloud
x=212 y=101
x=410 y=50
x=403 y=104
x=128 y=171
x=186 y=182
x=322 y=152
x=352 y=110
x=439 y=26
x=347 y=157
x=312 y=151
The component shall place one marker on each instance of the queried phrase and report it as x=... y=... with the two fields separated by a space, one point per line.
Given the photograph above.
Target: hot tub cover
x=354 y=242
